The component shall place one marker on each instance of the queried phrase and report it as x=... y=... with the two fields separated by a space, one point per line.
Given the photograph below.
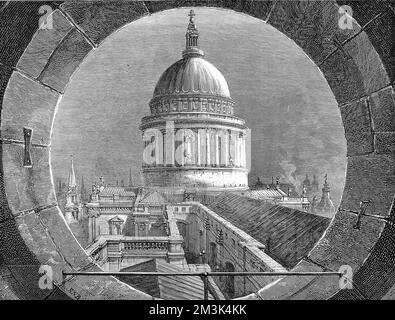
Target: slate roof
x=265 y=193
x=116 y=218
x=168 y=288
x=121 y=191
x=288 y=234
x=152 y=197
x=172 y=197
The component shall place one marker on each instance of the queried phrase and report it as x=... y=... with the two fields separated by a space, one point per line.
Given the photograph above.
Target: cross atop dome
x=191 y=15
x=191 y=37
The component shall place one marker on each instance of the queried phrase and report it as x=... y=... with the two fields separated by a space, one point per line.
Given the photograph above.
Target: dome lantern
x=193 y=79
x=191 y=37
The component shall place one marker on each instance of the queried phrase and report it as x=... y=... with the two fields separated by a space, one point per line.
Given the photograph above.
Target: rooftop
x=168 y=288
x=271 y=193
x=152 y=197
x=288 y=234
x=109 y=191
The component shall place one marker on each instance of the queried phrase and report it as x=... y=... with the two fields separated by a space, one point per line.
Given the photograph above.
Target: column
x=223 y=149
x=217 y=147
x=180 y=150
x=226 y=149
x=164 y=146
x=96 y=227
x=208 y=147
x=239 y=139
x=197 y=149
x=90 y=228
x=169 y=143
x=159 y=148
x=213 y=147
x=235 y=143
x=231 y=149
x=202 y=146
x=190 y=144
x=243 y=151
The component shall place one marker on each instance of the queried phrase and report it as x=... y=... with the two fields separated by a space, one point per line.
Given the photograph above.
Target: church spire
x=72 y=209
x=191 y=38
x=72 y=182
x=326 y=205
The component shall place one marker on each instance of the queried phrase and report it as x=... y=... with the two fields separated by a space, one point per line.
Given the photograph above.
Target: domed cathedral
x=192 y=140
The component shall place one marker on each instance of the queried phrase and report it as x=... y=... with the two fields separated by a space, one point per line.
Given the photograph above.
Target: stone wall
x=233 y=246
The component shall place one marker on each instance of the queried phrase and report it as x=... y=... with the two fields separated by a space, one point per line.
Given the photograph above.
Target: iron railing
x=204 y=275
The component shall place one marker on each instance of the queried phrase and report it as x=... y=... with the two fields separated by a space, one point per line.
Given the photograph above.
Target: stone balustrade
x=141 y=245
x=115 y=252
x=199 y=103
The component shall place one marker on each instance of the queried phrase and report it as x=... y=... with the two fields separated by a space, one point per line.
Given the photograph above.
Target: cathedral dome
x=192 y=140
x=192 y=84
x=192 y=75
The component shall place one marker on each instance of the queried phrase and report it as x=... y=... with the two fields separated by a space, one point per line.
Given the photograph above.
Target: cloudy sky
x=295 y=123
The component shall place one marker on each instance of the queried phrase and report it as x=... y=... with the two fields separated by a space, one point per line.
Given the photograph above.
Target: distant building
x=325 y=206
x=306 y=186
x=73 y=208
x=278 y=193
x=108 y=209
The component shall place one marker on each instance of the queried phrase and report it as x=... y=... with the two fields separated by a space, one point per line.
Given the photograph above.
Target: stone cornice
x=191 y=103
x=205 y=119
x=193 y=167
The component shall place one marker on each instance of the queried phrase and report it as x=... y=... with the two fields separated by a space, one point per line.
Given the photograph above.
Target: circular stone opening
x=296 y=129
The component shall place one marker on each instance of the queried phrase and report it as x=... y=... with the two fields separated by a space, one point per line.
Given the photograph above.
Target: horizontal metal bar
x=202 y=274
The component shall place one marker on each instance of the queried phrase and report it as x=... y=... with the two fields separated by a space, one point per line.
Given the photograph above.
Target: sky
x=295 y=123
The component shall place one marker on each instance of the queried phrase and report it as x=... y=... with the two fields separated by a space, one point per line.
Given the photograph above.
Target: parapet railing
x=129 y=244
x=343 y=275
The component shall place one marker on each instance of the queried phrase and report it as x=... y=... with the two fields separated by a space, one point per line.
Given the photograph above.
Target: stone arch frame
x=34 y=72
